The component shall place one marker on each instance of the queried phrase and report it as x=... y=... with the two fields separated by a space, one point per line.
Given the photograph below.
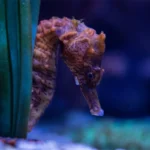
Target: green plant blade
x=5 y=82
x=35 y=7
x=29 y=12
x=18 y=21
x=14 y=50
x=26 y=67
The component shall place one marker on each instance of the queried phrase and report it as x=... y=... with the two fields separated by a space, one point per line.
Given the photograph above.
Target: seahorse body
x=82 y=51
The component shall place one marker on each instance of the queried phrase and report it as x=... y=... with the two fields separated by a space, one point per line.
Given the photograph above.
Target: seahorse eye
x=90 y=75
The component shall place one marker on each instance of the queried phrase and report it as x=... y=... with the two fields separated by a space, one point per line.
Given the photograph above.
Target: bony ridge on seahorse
x=82 y=50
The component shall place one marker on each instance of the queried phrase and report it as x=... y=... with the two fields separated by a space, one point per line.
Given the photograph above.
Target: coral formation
x=81 y=49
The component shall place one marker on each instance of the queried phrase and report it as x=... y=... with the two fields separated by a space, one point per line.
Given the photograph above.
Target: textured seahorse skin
x=82 y=51
x=44 y=71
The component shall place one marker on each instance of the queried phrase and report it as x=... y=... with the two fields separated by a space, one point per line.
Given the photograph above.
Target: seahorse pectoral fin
x=91 y=96
x=76 y=81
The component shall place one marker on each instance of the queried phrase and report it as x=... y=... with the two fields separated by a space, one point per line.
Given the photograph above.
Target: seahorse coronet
x=81 y=49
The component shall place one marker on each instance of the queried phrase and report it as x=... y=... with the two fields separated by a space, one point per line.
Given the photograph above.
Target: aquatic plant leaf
x=13 y=30
x=26 y=65
x=25 y=68
x=35 y=7
x=5 y=82
x=17 y=19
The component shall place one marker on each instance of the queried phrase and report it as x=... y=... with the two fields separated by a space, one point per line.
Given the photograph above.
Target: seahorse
x=82 y=50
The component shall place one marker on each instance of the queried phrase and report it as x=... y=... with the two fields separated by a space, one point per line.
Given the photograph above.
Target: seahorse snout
x=91 y=97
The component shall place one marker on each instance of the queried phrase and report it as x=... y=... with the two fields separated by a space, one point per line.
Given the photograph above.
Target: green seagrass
x=18 y=21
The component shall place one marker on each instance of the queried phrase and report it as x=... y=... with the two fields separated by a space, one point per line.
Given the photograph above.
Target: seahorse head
x=82 y=52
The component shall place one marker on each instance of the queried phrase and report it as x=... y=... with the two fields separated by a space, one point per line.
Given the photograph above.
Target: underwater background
x=124 y=91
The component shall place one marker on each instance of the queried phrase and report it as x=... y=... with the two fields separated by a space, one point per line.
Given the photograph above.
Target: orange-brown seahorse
x=82 y=50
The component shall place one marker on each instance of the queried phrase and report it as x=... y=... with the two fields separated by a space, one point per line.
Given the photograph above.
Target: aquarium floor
x=79 y=131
